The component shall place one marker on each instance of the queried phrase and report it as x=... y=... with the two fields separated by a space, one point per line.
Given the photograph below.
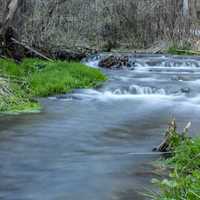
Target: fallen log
x=164 y=146
x=171 y=133
x=68 y=55
x=2 y=56
x=31 y=50
x=72 y=53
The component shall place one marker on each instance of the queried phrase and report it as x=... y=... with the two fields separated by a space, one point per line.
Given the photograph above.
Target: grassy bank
x=185 y=48
x=37 y=78
x=179 y=51
x=184 y=180
x=13 y=99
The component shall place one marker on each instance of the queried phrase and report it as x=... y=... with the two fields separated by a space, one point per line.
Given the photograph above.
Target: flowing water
x=82 y=145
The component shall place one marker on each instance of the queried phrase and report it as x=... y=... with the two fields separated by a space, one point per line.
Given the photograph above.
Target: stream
x=81 y=146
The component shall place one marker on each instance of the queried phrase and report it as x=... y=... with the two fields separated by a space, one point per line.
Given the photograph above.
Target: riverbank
x=33 y=78
x=184 y=177
x=100 y=130
x=190 y=48
x=182 y=51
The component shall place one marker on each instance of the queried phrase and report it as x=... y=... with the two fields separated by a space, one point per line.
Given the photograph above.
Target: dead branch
x=165 y=145
x=32 y=50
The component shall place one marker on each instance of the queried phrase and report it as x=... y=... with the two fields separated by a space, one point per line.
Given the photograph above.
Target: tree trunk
x=8 y=16
x=185 y=8
x=7 y=32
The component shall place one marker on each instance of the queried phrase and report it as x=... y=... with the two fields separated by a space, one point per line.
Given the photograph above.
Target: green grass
x=179 y=51
x=184 y=180
x=38 y=78
x=184 y=48
x=62 y=77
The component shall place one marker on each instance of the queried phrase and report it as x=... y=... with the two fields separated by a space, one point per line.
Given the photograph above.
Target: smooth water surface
x=82 y=145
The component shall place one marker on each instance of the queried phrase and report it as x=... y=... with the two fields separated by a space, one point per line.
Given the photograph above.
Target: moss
x=38 y=78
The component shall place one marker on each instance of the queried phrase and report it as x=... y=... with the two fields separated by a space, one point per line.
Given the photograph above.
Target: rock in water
x=185 y=90
x=115 y=62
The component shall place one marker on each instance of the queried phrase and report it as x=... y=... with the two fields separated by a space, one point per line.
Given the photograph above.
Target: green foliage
x=178 y=51
x=37 y=78
x=185 y=48
x=175 y=139
x=62 y=77
x=184 y=180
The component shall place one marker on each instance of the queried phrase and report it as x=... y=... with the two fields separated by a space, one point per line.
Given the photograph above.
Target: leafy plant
x=184 y=180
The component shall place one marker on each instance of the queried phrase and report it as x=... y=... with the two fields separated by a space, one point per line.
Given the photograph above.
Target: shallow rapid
x=82 y=145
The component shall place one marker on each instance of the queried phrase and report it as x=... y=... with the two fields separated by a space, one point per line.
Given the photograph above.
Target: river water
x=82 y=145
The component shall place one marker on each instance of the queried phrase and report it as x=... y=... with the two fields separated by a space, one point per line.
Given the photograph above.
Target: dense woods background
x=64 y=24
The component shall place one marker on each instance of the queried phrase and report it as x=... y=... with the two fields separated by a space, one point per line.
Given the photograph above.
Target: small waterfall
x=142 y=63
x=137 y=90
x=153 y=76
x=131 y=92
x=145 y=90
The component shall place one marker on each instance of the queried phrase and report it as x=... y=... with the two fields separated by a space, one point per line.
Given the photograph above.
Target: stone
x=185 y=90
x=115 y=62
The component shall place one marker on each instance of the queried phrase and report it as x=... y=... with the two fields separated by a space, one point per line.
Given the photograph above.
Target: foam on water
x=168 y=78
x=135 y=93
x=145 y=90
